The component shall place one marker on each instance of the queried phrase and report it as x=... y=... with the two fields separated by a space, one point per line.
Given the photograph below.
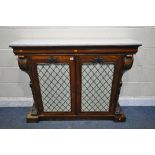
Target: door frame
x=117 y=60
x=40 y=59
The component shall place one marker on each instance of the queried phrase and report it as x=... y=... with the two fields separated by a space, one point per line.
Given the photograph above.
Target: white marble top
x=76 y=42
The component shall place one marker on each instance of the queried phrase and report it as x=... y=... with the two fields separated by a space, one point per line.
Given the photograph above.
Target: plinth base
x=31 y=118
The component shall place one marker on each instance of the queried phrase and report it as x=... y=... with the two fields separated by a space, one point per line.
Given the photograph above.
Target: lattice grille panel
x=96 y=87
x=54 y=82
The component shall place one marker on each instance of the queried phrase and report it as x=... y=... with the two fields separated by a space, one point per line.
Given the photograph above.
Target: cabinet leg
x=32 y=116
x=119 y=114
x=32 y=119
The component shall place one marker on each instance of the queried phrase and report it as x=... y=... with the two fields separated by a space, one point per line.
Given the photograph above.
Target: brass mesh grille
x=54 y=82
x=96 y=86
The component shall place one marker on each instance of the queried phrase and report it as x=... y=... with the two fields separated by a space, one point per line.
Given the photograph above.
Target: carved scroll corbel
x=128 y=62
x=23 y=63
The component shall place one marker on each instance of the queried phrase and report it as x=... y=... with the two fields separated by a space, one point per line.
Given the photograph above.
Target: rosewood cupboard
x=75 y=78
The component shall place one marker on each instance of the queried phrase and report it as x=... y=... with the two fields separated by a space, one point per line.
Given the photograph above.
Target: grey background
x=138 y=82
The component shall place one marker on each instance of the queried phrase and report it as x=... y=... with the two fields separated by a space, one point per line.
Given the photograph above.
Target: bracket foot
x=119 y=114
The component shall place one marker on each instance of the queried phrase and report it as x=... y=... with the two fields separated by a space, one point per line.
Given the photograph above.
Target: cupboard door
x=55 y=83
x=98 y=79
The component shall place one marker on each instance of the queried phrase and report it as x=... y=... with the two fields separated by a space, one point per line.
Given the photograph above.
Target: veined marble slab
x=77 y=42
